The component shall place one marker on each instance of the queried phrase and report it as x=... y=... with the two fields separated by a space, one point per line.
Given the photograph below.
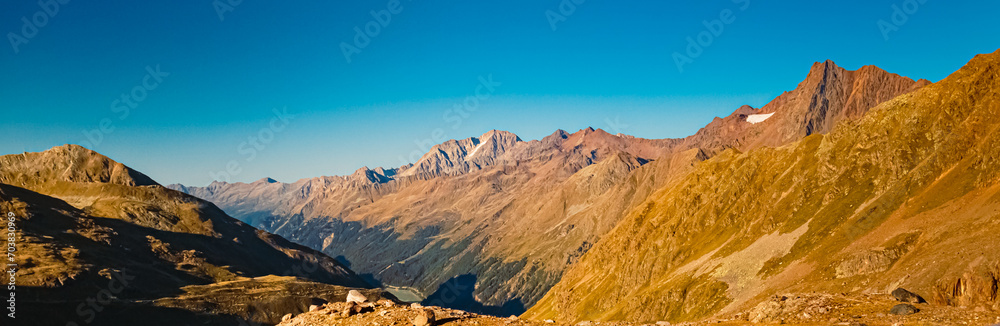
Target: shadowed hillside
x=86 y=222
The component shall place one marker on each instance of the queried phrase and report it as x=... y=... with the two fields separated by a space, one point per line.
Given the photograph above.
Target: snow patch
x=474 y=151
x=758 y=118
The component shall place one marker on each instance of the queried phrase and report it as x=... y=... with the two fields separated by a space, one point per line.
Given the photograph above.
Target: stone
x=350 y=309
x=356 y=297
x=902 y=295
x=425 y=317
x=313 y=308
x=286 y=317
x=904 y=309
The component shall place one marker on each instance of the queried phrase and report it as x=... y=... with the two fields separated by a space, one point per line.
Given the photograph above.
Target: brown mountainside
x=908 y=195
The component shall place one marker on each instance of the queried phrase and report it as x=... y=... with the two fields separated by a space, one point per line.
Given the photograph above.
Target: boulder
x=356 y=297
x=902 y=295
x=425 y=317
x=350 y=309
x=904 y=309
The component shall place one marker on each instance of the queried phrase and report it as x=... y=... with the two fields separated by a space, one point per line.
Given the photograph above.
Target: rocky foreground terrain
x=899 y=308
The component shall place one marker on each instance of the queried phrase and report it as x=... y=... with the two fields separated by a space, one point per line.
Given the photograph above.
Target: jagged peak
x=265 y=180
x=499 y=134
x=823 y=70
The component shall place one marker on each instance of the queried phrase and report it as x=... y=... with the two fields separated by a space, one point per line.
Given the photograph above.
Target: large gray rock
x=356 y=297
x=904 y=309
x=903 y=295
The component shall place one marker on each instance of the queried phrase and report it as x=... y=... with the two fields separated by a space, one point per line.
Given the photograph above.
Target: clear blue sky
x=609 y=65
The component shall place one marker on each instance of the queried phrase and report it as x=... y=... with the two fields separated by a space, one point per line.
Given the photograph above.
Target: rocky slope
x=907 y=195
x=92 y=227
x=504 y=217
x=789 y=309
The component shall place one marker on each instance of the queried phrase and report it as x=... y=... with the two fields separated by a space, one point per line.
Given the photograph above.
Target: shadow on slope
x=457 y=293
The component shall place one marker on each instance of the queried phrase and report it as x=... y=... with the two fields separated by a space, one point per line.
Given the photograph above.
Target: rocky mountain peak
x=71 y=163
x=266 y=180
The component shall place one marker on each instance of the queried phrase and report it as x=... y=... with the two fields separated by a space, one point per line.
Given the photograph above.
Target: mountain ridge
x=884 y=201
x=556 y=189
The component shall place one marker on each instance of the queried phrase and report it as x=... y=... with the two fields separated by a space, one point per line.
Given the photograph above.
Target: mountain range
x=509 y=219
x=828 y=205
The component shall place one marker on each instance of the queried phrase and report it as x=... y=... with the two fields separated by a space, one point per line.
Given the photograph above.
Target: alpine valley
x=829 y=205
x=857 y=198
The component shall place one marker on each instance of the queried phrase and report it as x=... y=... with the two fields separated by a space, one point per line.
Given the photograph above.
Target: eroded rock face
x=978 y=286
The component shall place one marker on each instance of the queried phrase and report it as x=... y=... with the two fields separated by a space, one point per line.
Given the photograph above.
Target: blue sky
x=608 y=64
